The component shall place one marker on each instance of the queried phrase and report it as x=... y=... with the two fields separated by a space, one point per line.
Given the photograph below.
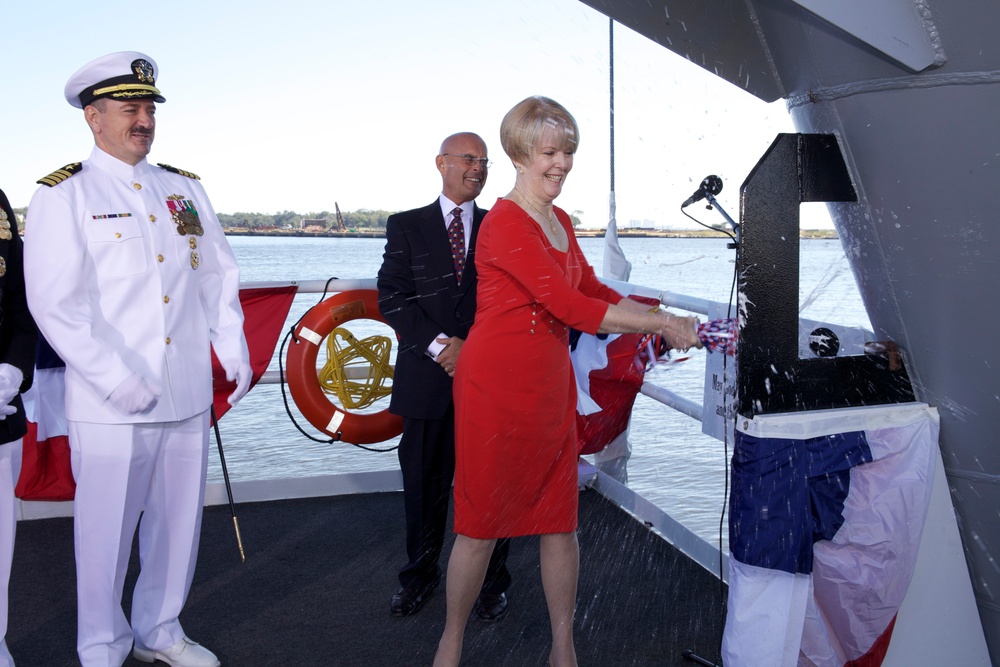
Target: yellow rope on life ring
x=372 y=352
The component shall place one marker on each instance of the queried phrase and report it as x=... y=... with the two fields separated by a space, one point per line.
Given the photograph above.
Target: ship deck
x=319 y=572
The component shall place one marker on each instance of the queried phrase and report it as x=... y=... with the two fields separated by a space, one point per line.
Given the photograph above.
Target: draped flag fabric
x=615 y=264
x=826 y=516
x=264 y=314
x=613 y=377
x=45 y=459
x=609 y=373
x=610 y=370
x=45 y=464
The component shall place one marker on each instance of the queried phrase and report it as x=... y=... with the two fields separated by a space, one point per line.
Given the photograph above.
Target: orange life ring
x=303 y=380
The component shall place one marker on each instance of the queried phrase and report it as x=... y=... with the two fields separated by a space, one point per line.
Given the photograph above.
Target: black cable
x=690 y=655
x=284 y=396
x=725 y=433
x=714 y=229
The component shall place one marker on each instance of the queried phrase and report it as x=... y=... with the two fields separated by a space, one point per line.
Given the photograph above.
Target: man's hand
x=448 y=357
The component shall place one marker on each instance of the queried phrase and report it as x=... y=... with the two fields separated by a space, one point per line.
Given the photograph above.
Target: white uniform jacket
x=119 y=280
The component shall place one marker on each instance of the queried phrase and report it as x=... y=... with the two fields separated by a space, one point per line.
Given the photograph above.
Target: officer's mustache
x=142 y=131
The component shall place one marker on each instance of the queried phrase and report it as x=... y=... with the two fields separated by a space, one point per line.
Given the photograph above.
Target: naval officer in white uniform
x=130 y=279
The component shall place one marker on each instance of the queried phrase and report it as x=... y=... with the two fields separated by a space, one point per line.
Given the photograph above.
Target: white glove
x=238 y=371
x=10 y=385
x=134 y=396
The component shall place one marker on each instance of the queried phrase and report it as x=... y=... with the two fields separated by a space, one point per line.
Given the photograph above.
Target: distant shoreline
x=580 y=233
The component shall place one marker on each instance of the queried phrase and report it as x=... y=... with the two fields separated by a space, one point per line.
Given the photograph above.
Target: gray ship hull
x=910 y=91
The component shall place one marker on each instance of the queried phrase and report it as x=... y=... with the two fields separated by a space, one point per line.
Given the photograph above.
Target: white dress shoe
x=185 y=653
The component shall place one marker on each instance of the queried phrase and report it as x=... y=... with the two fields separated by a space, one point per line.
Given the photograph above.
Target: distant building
x=642 y=224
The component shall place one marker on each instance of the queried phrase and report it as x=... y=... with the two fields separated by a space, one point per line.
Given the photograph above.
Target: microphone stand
x=732 y=223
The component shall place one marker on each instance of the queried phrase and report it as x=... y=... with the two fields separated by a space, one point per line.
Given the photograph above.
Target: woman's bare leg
x=560 y=558
x=466 y=572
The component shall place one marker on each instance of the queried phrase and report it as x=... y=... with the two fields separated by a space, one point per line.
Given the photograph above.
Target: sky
x=296 y=105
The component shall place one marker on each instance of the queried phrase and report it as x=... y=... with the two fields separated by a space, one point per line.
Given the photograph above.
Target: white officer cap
x=126 y=75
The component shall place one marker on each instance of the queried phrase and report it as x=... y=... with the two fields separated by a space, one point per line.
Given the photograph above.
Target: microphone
x=711 y=185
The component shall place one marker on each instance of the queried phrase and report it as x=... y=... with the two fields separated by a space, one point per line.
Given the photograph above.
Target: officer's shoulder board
x=178 y=171
x=61 y=174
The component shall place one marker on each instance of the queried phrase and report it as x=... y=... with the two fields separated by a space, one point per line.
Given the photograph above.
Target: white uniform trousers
x=10 y=469
x=122 y=470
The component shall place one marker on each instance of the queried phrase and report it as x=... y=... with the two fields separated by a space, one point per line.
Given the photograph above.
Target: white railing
x=665 y=396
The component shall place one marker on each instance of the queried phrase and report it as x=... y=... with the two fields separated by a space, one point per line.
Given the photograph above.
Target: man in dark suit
x=18 y=342
x=427 y=293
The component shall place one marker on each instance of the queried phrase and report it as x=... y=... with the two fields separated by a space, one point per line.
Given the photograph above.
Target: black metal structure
x=771 y=377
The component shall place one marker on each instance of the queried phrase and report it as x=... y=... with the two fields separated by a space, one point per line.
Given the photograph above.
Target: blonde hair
x=521 y=129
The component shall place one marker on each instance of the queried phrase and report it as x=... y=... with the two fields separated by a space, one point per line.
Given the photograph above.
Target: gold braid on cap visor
x=126 y=90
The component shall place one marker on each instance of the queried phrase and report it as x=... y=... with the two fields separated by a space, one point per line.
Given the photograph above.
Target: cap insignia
x=143 y=69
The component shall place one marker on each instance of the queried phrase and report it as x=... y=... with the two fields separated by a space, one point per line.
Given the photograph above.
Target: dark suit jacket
x=420 y=299
x=18 y=334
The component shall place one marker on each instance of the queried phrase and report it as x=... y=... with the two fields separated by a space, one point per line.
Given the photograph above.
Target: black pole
x=229 y=488
x=690 y=655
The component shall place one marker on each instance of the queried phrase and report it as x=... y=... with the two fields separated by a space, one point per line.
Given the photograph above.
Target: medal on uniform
x=193 y=242
x=185 y=215
x=5 y=233
x=194 y=260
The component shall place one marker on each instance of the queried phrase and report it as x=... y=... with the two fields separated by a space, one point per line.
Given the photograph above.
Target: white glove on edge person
x=134 y=395
x=238 y=371
x=10 y=385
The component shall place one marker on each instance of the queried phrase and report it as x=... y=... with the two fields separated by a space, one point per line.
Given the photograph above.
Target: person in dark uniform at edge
x=18 y=342
x=427 y=294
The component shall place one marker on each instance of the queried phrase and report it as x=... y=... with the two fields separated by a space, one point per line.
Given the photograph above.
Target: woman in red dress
x=515 y=396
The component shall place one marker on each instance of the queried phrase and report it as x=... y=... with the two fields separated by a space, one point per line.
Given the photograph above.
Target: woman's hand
x=681 y=333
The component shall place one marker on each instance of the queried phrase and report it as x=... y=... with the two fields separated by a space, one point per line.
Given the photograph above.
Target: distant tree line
x=361 y=219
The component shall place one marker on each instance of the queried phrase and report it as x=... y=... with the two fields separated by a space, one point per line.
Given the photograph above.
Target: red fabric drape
x=264 y=313
x=45 y=465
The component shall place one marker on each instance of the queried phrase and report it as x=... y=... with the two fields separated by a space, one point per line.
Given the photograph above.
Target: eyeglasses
x=471 y=160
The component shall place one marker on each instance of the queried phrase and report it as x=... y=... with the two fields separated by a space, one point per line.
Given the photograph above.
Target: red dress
x=515 y=396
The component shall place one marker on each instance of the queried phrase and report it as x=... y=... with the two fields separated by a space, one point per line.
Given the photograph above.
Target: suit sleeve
x=398 y=298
